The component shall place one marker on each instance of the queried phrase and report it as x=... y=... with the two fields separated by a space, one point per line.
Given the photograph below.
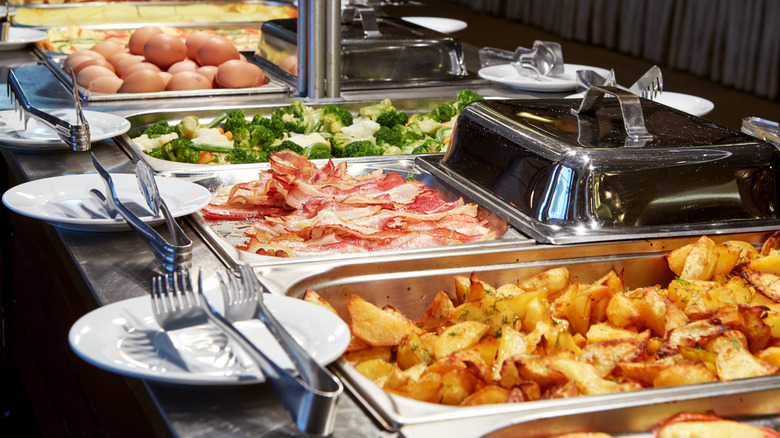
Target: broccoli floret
x=393 y=136
x=429 y=146
x=373 y=111
x=423 y=124
x=363 y=148
x=287 y=144
x=391 y=117
x=443 y=112
x=465 y=97
x=334 y=117
x=253 y=136
x=179 y=150
x=245 y=155
x=161 y=127
x=297 y=118
x=274 y=125
x=188 y=127
x=235 y=120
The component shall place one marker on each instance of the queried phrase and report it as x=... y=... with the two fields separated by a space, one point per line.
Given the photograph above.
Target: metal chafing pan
x=395 y=52
x=223 y=236
x=408 y=282
x=140 y=121
x=55 y=62
x=568 y=177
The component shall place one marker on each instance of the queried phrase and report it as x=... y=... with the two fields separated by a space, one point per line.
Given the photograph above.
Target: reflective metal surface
x=565 y=178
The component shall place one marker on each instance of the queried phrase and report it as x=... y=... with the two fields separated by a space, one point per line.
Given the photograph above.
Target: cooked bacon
x=303 y=210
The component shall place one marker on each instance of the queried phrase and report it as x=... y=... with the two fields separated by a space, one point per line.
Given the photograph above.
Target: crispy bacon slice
x=302 y=210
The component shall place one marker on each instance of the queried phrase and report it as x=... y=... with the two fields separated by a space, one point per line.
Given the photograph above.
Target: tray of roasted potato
x=472 y=342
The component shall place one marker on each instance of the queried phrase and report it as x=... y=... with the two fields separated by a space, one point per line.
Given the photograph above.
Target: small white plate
x=506 y=74
x=18 y=37
x=58 y=200
x=439 y=24
x=694 y=105
x=39 y=136
x=124 y=338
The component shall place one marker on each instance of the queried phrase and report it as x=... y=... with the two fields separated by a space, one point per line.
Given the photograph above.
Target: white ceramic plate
x=439 y=24
x=684 y=102
x=58 y=200
x=507 y=75
x=19 y=37
x=124 y=338
x=39 y=136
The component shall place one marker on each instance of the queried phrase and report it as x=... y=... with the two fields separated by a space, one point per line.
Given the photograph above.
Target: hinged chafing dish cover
x=564 y=178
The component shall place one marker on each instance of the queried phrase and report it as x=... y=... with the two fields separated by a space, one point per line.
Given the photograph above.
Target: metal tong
x=5 y=26
x=648 y=86
x=76 y=136
x=172 y=256
x=544 y=59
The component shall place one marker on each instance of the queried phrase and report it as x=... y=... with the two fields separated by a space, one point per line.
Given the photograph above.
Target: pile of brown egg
x=155 y=61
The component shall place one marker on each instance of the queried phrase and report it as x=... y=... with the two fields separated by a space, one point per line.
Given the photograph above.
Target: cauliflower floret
x=211 y=136
x=305 y=140
x=147 y=144
x=361 y=128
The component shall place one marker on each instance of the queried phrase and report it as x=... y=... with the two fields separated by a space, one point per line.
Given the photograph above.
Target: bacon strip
x=304 y=210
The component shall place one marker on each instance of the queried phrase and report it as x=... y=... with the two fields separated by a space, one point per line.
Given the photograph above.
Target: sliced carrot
x=205 y=157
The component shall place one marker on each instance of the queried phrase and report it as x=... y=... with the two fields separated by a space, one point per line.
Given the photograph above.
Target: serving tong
x=543 y=59
x=310 y=397
x=76 y=136
x=648 y=86
x=174 y=255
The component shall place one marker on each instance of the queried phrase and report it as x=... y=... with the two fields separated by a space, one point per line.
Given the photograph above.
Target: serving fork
x=74 y=135
x=176 y=304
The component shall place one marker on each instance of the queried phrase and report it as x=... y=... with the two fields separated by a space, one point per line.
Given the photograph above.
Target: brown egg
x=107 y=48
x=93 y=61
x=166 y=77
x=164 y=50
x=140 y=36
x=216 y=50
x=290 y=64
x=124 y=63
x=186 y=65
x=194 y=41
x=105 y=84
x=72 y=63
x=208 y=71
x=188 y=80
x=143 y=81
x=139 y=66
x=116 y=57
x=85 y=52
x=91 y=72
x=237 y=74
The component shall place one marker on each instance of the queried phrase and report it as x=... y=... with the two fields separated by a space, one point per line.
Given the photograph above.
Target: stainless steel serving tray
x=55 y=62
x=140 y=121
x=222 y=239
x=135 y=13
x=409 y=281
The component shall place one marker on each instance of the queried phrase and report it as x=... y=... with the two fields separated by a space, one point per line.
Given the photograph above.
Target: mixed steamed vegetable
x=327 y=132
